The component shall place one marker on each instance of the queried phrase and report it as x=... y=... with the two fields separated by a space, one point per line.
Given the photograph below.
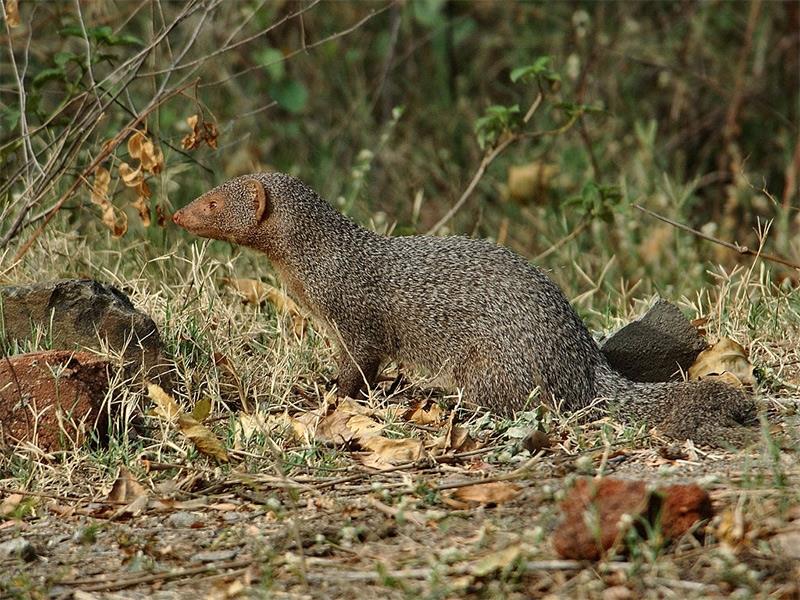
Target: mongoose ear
x=259 y=199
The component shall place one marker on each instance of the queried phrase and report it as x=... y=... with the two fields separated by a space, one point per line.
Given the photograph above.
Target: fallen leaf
x=200 y=435
x=201 y=410
x=387 y=452
x=726 y=358
x=469 y=496
x=252 y=290
x=126 y=488
x=166 y=407
x=424 y=412
x=497 y=561
x=10 y=504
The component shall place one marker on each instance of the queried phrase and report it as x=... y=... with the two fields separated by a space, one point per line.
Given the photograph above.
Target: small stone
x=18 y=547
x=682 y=506
x=655 y=347
x=617 y=592
x=787 y=545
x=182 y=519
x=598 y=512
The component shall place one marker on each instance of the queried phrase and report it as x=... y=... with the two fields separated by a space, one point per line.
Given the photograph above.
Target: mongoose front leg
x=355 y=374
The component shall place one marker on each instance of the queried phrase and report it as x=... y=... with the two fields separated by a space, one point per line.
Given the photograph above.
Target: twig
x=99 y=584
x=731 y=246
x=572 y=235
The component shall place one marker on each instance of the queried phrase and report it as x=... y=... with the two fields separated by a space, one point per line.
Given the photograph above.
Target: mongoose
x=494 y=325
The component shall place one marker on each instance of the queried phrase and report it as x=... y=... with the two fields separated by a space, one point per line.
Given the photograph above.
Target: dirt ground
x=368 y=534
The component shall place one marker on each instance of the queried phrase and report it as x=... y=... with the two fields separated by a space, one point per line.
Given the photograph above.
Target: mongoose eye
x=212 y=205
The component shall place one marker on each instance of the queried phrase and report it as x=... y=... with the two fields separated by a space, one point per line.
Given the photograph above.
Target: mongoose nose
x=176 y=218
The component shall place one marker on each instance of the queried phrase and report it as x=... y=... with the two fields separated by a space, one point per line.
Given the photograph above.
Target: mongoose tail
x=472 y=312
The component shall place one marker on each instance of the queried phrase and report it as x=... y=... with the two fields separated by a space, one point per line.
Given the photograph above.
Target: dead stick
x=735 y=247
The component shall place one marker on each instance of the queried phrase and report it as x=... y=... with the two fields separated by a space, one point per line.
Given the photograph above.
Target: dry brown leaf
x=201 y=132
x=457 y=439
x=12 y=13
x=116 y=222
x=100 y=187
x=424 y=412
x=252 y=290
x=211 y=134
x=248 y=425
x=135 y=143
x=727 y=359
x=126 y=488
x=201 y=410
x=142 y=207
x=166 y=407
x=10 y=504
x=530 y=181
x=200 y=435
x=495 y=492
x=130 y=177
x=387 y=452
x=256 y=292
x=497 y=561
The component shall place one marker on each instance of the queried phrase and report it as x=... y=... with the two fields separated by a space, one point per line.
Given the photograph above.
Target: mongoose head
x=231 y=212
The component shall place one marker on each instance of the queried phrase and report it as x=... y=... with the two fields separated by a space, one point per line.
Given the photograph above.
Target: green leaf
x=62 y=58
x=290 y=94
x=201 y=410
x=539 y=69
x=11 y=118
x=272 y=60
x=46 y=75
x=427 y=12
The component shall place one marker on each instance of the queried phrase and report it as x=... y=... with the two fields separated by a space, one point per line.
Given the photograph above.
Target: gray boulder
x=82 y=313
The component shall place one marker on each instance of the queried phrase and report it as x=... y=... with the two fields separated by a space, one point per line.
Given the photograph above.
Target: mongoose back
x=492 y=324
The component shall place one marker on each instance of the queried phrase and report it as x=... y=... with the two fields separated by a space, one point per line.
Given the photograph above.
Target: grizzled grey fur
x=495 y=326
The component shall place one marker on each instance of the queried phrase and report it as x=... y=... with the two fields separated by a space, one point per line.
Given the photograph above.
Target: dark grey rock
x=656 y=346
x=79 y=313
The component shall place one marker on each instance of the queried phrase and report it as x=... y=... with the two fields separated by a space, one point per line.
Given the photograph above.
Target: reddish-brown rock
x=53 y=399
x=593 y=513
x=681 y=507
